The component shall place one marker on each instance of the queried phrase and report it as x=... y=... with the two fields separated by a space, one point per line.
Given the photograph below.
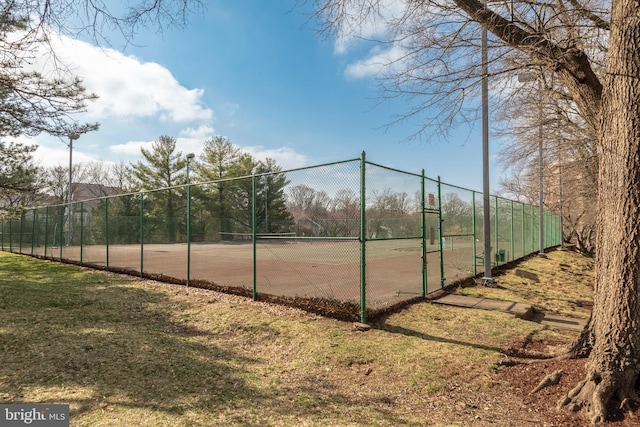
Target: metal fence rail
x=352 y=237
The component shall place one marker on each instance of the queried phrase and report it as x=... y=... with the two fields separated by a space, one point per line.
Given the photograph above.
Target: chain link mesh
x=298 y=234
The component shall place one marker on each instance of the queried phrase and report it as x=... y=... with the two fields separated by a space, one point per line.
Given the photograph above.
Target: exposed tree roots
x=598 y=391
x=548 y=381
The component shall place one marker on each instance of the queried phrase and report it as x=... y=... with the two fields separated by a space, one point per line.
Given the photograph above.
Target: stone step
x=520 y=310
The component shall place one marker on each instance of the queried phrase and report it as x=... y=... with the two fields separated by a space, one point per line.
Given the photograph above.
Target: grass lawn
x=561 y=283
x=128 y=352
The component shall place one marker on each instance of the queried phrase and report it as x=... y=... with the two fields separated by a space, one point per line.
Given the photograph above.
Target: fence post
x=424 y=237
x=533 y=242
x=523 y=231
x=33 y=230
x=188 y=231
x=442 y=278
x=46 y=229
x=513 y=255
x=141 y=234
x=106 y=240
x=81 y=233
x=546 y=237
x=10 y=236
x=2 y=234
x=495 y=225
x=555 y=229
x=21 y=231
x=552 y=230
x=473 y=227
x=254 y=226
x=559 y=231
x=363 y=240
x=61 y=236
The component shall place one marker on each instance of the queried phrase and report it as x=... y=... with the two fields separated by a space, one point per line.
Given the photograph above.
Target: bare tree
x=545 y=115
x=438 y=67
x=304 y=201
x=91 y=180
x=120 y=177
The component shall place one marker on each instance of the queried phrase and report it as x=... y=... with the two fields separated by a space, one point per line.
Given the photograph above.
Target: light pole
x=72 y=137
x=526 y=77
x=190 y=157
x=486 y=207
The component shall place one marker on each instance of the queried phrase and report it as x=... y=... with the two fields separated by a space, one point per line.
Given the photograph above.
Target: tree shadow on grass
x=100 y=344
x=412 y=333
x=115 y=341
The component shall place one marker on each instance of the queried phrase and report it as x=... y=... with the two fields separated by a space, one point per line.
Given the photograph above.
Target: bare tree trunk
x=582 y=346
x=612 y=369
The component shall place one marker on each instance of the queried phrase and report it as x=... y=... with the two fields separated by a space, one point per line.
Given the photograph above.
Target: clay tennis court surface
x=297 y=268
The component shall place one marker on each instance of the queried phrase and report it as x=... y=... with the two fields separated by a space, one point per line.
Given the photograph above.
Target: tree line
x=221 y=199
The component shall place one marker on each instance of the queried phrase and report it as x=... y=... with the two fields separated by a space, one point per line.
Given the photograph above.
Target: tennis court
x=307 y=268
x=381 y=237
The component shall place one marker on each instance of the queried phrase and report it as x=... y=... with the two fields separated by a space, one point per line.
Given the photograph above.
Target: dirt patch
x=530 y=362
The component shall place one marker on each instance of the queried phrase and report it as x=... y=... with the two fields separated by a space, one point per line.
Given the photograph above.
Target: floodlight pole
x=190 y=157
x=72 y=136
x=487 y=279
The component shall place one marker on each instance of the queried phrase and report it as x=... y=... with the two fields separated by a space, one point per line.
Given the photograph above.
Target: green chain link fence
x=350 y=239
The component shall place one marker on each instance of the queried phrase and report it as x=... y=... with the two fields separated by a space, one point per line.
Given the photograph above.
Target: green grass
x=122 y=351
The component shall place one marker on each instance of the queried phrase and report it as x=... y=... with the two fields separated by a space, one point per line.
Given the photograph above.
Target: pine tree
x=162 y=169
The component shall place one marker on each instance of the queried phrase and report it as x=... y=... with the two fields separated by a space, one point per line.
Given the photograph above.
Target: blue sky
x=257 y=73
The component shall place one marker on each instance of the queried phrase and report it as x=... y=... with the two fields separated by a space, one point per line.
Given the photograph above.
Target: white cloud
x=376 y=62
x=58 y=155
x=131 y=148
x=134 y=96
x=286 y=157
x=189 y=145
x=201 y=132
x=126 y=86
x=137 y=101
x=375 y=26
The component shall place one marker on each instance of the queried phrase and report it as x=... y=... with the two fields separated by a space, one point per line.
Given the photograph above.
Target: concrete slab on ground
x=458 y=300
x=522 y=311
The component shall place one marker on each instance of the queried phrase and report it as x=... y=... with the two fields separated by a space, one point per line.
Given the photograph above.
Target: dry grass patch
x=122 y=351
x=561 y=284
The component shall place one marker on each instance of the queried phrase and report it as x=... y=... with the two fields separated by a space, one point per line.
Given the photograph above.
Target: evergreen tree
x=162 y=169
x=217 y=160
x=229 y=197
x=272 y=215
x=19 y=176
